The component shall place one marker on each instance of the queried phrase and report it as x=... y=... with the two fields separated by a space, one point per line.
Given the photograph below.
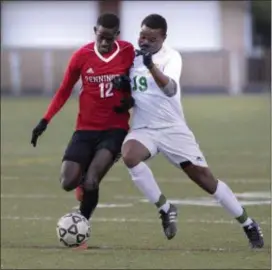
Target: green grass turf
x=234 y=134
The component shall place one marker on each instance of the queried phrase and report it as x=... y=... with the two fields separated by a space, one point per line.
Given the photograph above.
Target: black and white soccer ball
x=73 y=229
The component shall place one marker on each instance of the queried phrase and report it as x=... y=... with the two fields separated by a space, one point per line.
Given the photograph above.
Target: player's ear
x=118 y=33
x=95 y=29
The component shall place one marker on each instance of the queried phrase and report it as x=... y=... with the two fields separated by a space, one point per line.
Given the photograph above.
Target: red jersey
x=97 y=96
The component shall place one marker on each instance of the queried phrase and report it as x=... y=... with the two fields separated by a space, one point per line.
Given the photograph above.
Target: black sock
x=89 y=202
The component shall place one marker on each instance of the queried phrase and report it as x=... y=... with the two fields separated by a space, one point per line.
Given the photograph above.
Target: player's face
x=105 y=38
x=150 y=39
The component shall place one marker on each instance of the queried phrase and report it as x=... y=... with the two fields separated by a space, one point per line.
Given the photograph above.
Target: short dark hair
x=155 y=21
x=108 y=20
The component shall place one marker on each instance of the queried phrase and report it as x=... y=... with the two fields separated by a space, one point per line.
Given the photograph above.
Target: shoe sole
x=84 y=246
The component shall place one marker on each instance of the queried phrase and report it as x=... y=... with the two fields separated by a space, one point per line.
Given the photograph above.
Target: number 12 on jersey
x=106 y=90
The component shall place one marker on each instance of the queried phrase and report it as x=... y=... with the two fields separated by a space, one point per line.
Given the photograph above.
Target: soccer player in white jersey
x=159 y=126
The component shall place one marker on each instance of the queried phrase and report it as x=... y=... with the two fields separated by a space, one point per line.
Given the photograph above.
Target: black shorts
x=85 y=143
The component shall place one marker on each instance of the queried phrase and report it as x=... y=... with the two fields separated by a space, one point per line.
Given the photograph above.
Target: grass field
x=234 y=134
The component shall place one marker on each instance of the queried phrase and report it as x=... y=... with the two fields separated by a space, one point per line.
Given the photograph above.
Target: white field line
x=246 y=198
x=50 y=196
x=129 y=220
x=28 y=159
x=44 y=196
x=245 y=195
x=161 y=180
x=32 y=196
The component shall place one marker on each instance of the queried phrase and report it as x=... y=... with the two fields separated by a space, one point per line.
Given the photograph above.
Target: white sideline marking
x=9 y=177
x=246 y=198
x=44 y=196
x=37 y=178
x=126 y=179
x=32 y=196
x=122 y=197
x=111 y=205
x=114 y=205
x=231 y=180
x=130 y=220
x=214 y=203
x=257 y=194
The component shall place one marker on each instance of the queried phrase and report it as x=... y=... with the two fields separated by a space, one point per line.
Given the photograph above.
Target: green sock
x=163 y=204
x=162 y=200
x=243 y=218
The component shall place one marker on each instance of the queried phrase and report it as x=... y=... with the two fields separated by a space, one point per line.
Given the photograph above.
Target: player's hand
x=147 y=58
x=125 y=106
x=121 y=82
x=38 y=131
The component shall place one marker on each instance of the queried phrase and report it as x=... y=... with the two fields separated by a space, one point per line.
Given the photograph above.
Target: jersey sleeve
x=71 y=76
x=173 y=67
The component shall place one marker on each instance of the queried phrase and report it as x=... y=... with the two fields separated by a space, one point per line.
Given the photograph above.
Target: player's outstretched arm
x=167 y=80
x=63 y=93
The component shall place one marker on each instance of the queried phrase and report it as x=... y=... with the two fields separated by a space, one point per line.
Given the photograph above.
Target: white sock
x=228 y=200
x=247 y=222
x=143 y=178
x=165 y=207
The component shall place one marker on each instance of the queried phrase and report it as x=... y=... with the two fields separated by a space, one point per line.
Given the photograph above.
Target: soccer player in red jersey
x=102 y=121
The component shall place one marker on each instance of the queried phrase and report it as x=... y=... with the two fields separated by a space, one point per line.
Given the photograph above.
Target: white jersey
x=153 y=109
x=158 y=121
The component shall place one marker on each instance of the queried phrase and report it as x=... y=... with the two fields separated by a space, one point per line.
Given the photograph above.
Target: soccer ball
x=73 y=229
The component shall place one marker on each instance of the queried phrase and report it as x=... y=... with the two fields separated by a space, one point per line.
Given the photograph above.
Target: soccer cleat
x=83 y=246
x=169 y=221
x=254 y=235
x=79 y=193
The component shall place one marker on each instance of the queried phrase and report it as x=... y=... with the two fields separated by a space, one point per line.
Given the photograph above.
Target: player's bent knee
x=133 y=152
x=68 y=183
x=130 y=160
x=70 y=175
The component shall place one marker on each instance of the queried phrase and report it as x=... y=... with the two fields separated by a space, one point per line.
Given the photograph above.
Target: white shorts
x=175 y=144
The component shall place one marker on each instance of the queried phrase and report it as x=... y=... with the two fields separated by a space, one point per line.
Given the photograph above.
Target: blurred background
x=226 y=45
